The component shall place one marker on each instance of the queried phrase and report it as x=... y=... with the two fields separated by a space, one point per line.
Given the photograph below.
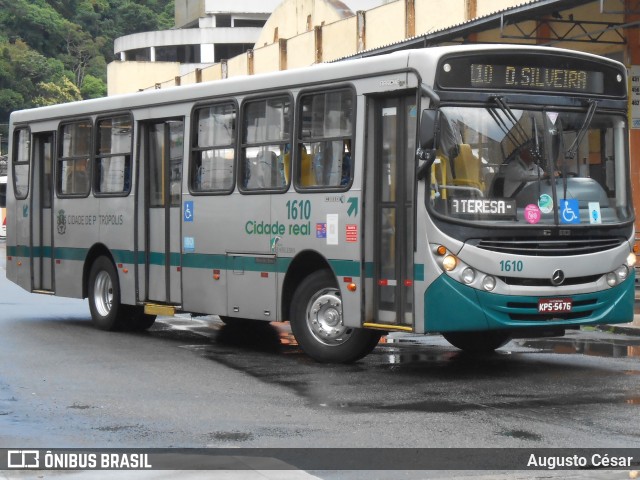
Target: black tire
x=316 y=322
x=104 y=295
x=478 y=343
x=135 y=320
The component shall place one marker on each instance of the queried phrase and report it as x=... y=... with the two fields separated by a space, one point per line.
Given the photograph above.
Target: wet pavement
x=197 y=382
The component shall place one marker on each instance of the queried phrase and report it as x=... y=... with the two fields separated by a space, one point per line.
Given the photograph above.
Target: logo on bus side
x=62 y=222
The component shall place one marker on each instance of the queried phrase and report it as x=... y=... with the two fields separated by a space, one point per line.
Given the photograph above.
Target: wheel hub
x=103 y=293
x=324 y=317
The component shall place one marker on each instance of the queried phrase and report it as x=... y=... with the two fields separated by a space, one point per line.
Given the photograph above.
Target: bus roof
x=327 y=72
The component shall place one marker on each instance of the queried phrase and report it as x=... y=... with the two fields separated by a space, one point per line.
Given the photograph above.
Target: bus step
x=385 y=326
x=162 y=310
x=44 y=292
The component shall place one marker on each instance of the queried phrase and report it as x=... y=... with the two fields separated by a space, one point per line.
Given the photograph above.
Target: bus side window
x=325 y=140
x=265 y=144
x=213 y=150
x=21 y=163
x=73 y=167
x=113 y=155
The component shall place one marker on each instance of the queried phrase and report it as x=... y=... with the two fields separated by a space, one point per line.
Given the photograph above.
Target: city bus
x=350 y=199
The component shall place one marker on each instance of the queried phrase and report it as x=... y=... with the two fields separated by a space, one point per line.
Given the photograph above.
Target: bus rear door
x=42 y=216
x=164 y=145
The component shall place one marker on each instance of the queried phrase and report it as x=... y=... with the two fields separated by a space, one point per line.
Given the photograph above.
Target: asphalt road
x=198 y=383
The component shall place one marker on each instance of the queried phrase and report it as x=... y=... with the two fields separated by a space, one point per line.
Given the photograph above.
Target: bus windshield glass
x=512 y=166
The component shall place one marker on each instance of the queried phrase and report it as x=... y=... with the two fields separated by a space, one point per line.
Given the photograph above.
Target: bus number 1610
x=511 y=265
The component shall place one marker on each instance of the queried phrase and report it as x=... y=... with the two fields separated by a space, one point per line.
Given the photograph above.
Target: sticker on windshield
x=545 y=202
x=569 y=211
x=594 y=213
x=553 y=116
x=532 y=213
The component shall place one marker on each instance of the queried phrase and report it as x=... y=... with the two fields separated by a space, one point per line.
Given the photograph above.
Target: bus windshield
x=515 y=166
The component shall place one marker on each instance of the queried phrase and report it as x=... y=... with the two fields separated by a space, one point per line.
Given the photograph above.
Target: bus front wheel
x=317 y=323
x=477 y=343
x=104 y=295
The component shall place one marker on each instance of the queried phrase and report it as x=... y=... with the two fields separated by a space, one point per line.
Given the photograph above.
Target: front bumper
x=451 y=306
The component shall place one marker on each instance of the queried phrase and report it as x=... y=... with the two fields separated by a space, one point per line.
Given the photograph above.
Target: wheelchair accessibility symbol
x=188 y=211
x=569 y=211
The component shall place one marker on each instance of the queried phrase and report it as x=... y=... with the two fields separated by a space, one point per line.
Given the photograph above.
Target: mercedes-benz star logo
x=557 y=278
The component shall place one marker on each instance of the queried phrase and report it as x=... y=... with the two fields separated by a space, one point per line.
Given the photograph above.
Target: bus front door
x=164 y=142
x=42 y=220
x=395 y=130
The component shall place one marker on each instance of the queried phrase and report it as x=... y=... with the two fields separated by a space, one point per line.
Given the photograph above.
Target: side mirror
x=429 y=122
x=429 y=129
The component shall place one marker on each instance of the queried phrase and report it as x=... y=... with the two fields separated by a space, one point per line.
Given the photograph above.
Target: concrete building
x=211 y=32
x=207 y=31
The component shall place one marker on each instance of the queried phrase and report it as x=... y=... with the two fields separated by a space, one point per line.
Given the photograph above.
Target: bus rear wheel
x=317 y=323
x=478 y=343
x=104 y=295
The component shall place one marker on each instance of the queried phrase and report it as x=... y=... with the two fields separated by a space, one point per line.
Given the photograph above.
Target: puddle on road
x=591 y=347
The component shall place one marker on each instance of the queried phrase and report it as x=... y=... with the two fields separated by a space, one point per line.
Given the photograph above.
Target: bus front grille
x=548 y=248
x=546 y=282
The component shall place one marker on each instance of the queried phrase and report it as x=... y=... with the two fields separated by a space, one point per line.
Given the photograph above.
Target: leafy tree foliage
x=54 y=51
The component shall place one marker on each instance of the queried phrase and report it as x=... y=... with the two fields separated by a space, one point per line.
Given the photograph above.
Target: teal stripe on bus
x=70 y=253
x=126 y=256
x=418 y=272
x=204 y=260
x=345 y=268
x=18 y=251
x=156 y=258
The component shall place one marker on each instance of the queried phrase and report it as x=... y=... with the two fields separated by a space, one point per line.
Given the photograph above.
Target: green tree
x=51 y=93
x=93 y=87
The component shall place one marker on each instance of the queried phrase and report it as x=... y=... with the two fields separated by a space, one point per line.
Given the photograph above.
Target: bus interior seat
x=467 y=168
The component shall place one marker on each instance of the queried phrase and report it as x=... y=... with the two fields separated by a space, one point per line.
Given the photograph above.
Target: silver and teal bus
x=350 y=199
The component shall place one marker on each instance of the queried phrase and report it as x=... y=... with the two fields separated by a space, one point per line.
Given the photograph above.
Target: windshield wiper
x=508 y=113
x=573 y=149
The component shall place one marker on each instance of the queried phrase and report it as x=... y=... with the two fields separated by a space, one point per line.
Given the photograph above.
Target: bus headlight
x=488 y=283
x=468 y=275
x=612 y=279
x=622 y=272
x=449 y=262
x=631 y=259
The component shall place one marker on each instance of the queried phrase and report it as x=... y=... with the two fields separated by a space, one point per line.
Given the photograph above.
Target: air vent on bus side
x=548 y=248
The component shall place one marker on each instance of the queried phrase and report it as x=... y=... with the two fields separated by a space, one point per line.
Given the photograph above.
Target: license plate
x=554 y=305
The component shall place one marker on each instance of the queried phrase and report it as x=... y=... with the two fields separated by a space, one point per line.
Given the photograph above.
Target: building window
x=178 y=53
x=223 y=20
x=226 y=51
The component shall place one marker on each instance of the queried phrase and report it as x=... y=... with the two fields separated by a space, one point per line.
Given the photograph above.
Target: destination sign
x=483 y=207
x=524 y=71
x=514 y=76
